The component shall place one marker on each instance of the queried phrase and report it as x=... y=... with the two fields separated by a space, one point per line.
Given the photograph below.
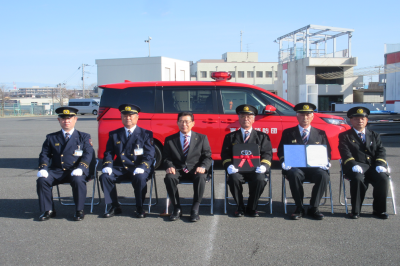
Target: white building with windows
x=139 y=69
x=243 y=66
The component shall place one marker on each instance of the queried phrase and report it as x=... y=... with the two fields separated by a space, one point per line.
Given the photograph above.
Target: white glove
x=77 y=172
x=357 y=169
x=326 y=167
x=381 y=169
x=42 y=173
x=286 y=167
x=232 y=170
x=261 y=169
x=138 y=171
x=107 y=170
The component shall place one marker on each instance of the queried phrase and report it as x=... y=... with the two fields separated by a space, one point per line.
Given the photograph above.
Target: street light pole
x=148 y=41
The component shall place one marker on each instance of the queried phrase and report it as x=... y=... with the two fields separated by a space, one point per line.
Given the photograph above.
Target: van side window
x=233 y=98
x=143 y=97
x=282 y=107
x=195 y=101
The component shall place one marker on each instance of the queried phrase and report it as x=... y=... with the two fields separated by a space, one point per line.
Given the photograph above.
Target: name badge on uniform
x=138 y=151
x=78 y=152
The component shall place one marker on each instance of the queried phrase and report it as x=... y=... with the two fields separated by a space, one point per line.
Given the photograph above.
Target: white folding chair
x=345 y=198
x=269 y=198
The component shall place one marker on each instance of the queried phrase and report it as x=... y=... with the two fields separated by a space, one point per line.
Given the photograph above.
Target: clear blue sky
x=44 y=42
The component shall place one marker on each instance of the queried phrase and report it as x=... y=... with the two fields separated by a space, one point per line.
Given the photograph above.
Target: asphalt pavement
x=219 y=239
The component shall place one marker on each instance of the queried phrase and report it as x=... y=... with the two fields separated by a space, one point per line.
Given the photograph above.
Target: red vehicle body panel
x=215 y=126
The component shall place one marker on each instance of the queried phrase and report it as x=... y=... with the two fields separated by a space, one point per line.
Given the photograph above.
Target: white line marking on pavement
x=214 y=225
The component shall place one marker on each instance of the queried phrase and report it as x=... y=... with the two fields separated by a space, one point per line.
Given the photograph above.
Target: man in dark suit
x=303 y=134
x=188 y=156
x=70 y=152
x=256 y=180
x=133 y=150
x=364 y=161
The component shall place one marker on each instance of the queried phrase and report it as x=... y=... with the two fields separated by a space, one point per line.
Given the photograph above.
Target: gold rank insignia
x=316 y=142
x=360 y=111
x=57 y=144
x=66 y=112
x=128 y=108
x=118 y=142
x=294 y=141
x=306 y=107
x=246 y=108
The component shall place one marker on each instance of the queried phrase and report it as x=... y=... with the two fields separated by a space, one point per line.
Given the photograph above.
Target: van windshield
x=142 y=97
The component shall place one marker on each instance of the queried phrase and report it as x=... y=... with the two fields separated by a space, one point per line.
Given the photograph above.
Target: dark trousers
x=296 y=177
x=139 y=184
x=45 y=192
x=359 y=185
x=256 y=187
x=172 y=180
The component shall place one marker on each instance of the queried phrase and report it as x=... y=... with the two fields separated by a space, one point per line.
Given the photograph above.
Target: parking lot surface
x=219 y=239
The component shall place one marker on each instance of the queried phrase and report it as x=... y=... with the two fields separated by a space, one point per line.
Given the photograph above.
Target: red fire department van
x=213 y=105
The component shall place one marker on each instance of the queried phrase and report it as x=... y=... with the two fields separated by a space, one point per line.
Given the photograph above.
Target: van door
x=231 y=97
x=201 y=101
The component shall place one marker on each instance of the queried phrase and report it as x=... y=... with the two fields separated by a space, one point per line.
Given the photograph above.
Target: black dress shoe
x=315 y=213
x=79 y=216
x=176 y=215
x=194 y=216
x=47 y=215
x=298 y=213
x=113 y=211
x=354 y=215
x=239 y=212
x=140 y=213
x=380 y=215
x=252 y=213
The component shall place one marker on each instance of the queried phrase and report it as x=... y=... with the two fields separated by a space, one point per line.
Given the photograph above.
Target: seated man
x=70 y=152
x=188 y=156
x=364 y=161
x=303 y=134
x=134 y=151
x=256 y=180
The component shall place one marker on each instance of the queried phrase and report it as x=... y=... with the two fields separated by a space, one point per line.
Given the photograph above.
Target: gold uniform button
x=73 y=162
x=133 y=161
x=64 y=169
x=126 y=167
x=131 y=154
x=365 y=150
x=62 y=162
x=123 y=154
x=123 y=161
x=368 y=158
x=62 y=155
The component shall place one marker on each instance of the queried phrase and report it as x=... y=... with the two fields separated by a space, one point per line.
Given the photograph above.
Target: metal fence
x=15 y=109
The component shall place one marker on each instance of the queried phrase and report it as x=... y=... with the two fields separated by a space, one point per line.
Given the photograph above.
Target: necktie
x=361 y=135
x=186 y=145
x=246 y=136
x=67 y=136
x=129 y=134
x=304 y=136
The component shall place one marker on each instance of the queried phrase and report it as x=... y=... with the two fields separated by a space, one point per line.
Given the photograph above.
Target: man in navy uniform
x=188 y=156
x=134 y=151
x=70 y=152
x=303 y=134
x=256 y=180
x=364 y=161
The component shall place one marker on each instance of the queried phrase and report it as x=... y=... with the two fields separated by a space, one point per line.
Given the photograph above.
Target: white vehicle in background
x=85 y=106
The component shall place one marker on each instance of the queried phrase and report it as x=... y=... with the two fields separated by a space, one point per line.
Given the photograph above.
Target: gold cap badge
x=360 y=111
x=66 y=112
x=306 y=107
x=246 y=108
x=128 y=108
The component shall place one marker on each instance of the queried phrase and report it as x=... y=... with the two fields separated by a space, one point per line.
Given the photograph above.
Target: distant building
x=392 y=69
x=36 y=92
x=374 y=94
x=243 y=66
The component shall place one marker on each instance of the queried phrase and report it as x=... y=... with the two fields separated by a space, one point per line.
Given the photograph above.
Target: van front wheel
x=158 y=155
x=94 y=112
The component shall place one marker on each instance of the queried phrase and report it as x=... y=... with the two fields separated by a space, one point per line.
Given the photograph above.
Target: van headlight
x=334 y=121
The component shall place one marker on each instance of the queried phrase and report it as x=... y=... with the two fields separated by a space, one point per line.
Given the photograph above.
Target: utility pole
x=241 y=33
x=148 y=41
x=83 y=79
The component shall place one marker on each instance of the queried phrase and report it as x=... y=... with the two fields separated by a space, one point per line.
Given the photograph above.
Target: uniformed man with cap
x=133 y=150
x=303 y=134
x=256 y=180
x=364 y=161
x=65 y=158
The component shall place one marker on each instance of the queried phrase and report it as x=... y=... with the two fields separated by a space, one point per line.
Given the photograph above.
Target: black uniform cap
x=65 y=112
x=358 y=111
x=129 y=108
x=304 y=108
x=246 y=109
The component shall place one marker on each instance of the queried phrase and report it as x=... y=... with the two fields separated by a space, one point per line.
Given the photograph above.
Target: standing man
x=133 y=150
x=303 y=134
x=256 y=180
x=70 y=152
x=188 y=156
x=364 y=161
